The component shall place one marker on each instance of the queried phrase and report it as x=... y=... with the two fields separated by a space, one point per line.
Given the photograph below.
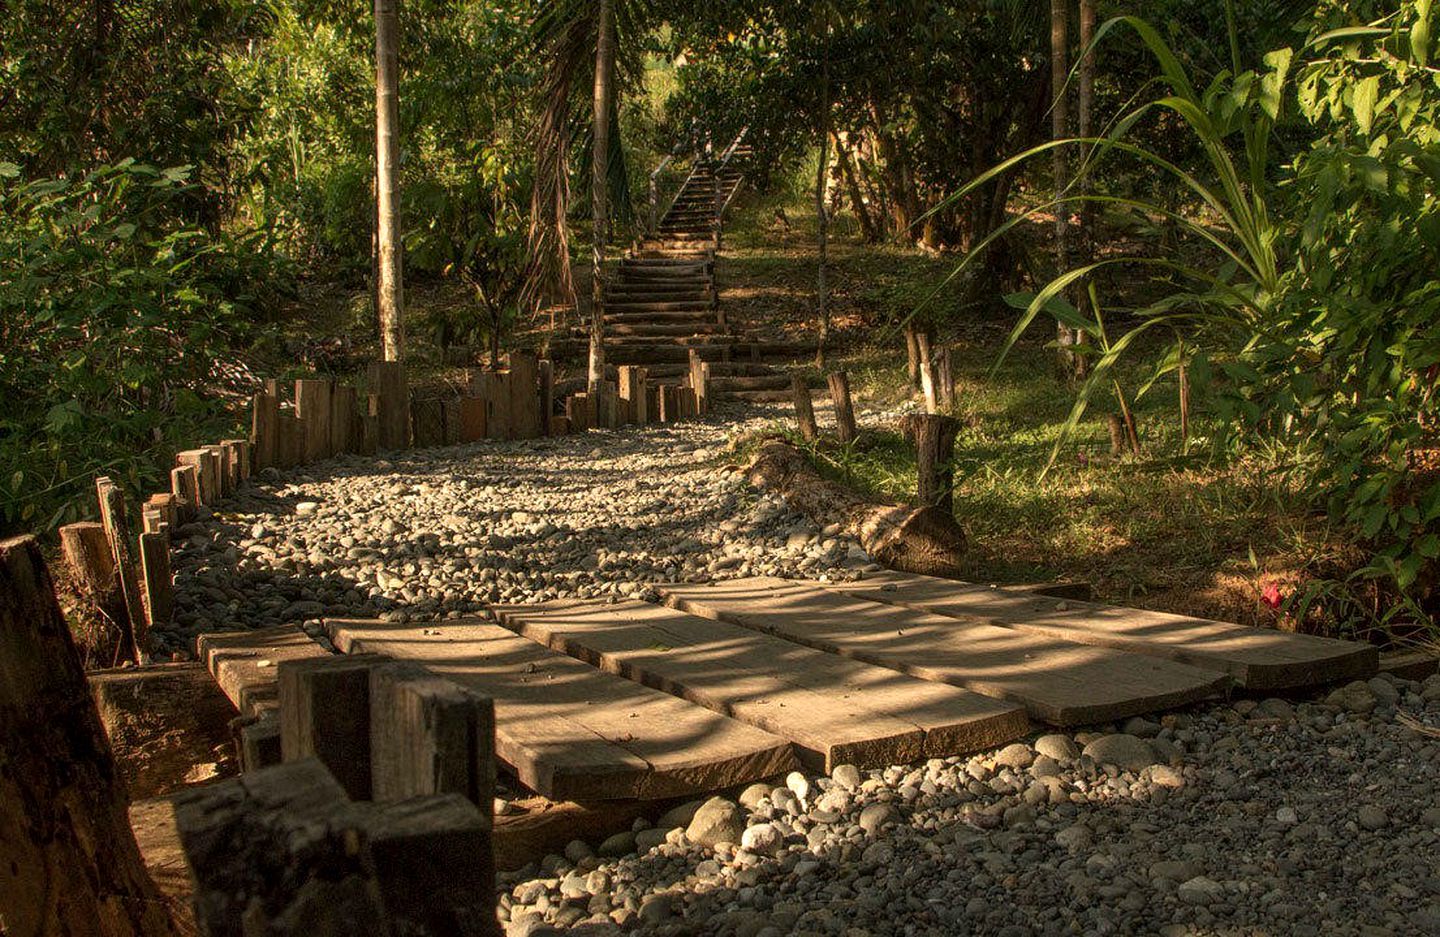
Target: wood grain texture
x=1059 y=682
x=1256 y=658
x=570 y=732
x=836 y=710
x=244 y=663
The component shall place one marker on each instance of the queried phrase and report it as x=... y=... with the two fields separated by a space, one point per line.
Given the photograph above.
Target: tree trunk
x=922 y=540
x=69 y=865
x=1084 y=129
x=933 y=437
x=868 y=227
x=599 y=192
x=1059 y=130
x=389 y=288
x=822 y=218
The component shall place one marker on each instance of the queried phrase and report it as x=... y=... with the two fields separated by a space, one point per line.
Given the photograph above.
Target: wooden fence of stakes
x=123 y=570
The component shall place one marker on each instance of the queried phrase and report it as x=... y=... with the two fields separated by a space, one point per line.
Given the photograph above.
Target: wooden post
x=155 y=571
x=241 y=453
x=652 y=403
x=669 y=403
x=428 y=427
x=500 y=420
x=560 y=426
x=699 y=382
x=312 y=405
x=68 y=860
x=197 y=461
x=912 y=353
x=265 y=429
x=946 y=376
x=524 y=395
x=429 y=735
x=804 y=409
x=386 y=379
x=450 y=414
x=325 y=712
x=577 y=411
x=927 y=372
x=608 y=406
x=292 y=439
x=472 y=419
x=342 y=419
x=933 y=436
x=185 y=486
x=546 y=377
x=632 y=392
x=839 y=383
x=216 y=463
x=230 y=463
x=121 y=535
x=87 y=554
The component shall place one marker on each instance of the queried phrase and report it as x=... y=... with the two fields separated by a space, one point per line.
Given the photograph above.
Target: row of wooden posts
x=124 y=572
x=932 y=434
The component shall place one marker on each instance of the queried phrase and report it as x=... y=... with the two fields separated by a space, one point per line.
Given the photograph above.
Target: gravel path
x=1268 y=817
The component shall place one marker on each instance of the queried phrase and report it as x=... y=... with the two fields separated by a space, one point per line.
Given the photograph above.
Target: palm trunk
x=389 y=285
x=599 y=192
x=1084 y=130
x=1059 y=130
x=822 y=218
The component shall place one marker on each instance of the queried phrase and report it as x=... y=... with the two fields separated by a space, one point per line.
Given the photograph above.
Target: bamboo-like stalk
x=389 y=290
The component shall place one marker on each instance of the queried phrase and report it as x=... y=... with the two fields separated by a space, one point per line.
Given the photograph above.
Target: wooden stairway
x=662 y=302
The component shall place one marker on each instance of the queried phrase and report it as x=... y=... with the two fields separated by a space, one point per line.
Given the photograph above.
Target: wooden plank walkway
x=1256 y=658
x=245 y=663
x=1059 y=682
x=836 y=710
x=571 y=732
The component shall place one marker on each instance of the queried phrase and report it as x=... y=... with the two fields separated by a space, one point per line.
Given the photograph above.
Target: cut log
x=121 y=534
x=68 y=860
x=633 y=380
x=933 y=437
x=185 y=486
x=839 y=383
x=804 y=409
x=206 y=492
x=524 y=395
x=577 y=411
x=545 y=375
x=915 y=540
x=216 y=463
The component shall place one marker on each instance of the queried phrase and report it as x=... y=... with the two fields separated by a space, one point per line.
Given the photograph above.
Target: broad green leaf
x=1362 y=104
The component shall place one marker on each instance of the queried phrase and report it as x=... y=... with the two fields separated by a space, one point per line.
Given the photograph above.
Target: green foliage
x=117 y=319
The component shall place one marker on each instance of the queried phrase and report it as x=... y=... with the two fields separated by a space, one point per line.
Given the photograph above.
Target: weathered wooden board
x=1057 y=681
x=1255 y=658
x=244 y=663
x=570 y=731
x=836 y=710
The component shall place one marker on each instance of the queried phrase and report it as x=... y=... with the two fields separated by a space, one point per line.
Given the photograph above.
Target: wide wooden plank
x=1056 y=681
x=836 y=710
x=567 y=730
x=245 y=663
x=1255 y=658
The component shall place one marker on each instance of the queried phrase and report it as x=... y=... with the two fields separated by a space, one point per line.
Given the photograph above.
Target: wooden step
x=688 y=305
x=663 y=330
x=835 y=710
x=758 y=396
x=672 y=318
x=1258 y=659
x=244 y=663
x=567 y=730
x=1059 y=682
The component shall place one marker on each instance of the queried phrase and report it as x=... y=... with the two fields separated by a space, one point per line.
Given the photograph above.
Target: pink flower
x=1271 y=596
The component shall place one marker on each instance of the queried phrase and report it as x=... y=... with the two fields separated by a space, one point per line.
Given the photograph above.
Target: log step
x=688 y=305
x=776 y=382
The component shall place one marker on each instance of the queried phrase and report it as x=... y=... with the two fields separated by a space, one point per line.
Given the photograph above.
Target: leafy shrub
x=118 y=321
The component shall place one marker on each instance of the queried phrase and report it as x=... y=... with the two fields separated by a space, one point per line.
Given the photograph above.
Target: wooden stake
x=91 y=562
x=428 y=422
x=386 y=379
x=325 y=712
x=472 y=419
x=312 y=405
x=633 y=387
x=121 y=535
x=292 y=439
x=912 y=353
x=607 y=408
x=524 y=396
x=450 y=411
x=839 y=383
x=669 y=403
x=927 y=372
x=265 y=429
x=946 y=377
x=155 y=572
x=185 y=486
x=429 y=735
x=68 y=860
x=230 y=463
x=197 y=462
x=804 y=409
x=342 y=420
x=933 y=437
x=577 y=411
x=546 y=377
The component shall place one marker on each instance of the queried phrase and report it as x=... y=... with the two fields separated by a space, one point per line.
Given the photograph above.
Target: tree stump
x=68 y=860
x=92 y=569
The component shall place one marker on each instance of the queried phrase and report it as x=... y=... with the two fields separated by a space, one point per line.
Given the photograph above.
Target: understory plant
x=1305 y=300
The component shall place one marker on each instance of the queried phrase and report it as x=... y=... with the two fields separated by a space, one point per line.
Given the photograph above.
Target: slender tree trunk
x=822 y=218
x=389 y=286
x=599 y=192
x=1086 y=98
x=857 y=199
x=1059 y=130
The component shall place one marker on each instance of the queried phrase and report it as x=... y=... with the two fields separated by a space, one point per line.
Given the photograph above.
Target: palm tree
x=599 y=190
